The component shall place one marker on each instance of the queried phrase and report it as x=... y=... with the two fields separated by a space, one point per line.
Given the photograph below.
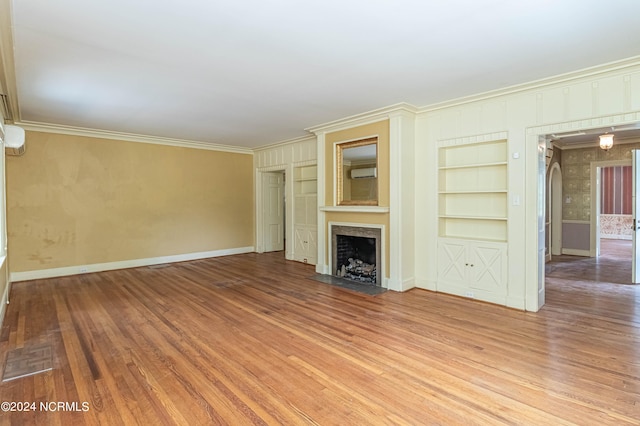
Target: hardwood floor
x=249 y=339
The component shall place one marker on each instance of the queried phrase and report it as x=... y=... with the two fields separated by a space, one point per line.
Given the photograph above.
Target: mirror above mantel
x=357 y=172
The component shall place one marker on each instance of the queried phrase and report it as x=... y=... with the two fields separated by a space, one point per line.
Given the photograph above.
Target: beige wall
x=74 y=200
x=381 y=129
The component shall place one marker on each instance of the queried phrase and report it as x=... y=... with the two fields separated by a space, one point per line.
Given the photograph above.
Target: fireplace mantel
x=355 y=209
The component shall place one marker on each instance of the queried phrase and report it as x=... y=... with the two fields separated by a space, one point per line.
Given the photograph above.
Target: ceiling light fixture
x=606 y=141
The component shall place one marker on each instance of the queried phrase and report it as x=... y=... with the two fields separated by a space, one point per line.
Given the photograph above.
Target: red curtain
x=616 y=190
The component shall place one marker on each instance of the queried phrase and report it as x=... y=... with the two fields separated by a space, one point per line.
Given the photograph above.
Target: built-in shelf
x=472 y=216
x=472 y=191
x=355 y=209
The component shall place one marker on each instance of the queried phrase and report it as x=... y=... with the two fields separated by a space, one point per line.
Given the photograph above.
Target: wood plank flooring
x=250 y=339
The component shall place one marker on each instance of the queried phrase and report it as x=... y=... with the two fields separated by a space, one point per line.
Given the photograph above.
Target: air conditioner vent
x=13 y=140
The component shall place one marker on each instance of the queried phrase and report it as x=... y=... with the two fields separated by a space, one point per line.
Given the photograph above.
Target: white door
x=635 y=258
x=273 y=211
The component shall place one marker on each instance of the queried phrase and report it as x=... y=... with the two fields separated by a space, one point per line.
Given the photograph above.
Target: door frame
x=555 y=210
x=288 y=214
x=596 y=196
x=535 y=183
x=269 y=202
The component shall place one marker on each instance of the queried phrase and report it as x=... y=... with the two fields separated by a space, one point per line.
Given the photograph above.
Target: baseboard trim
x=99 y=267
x=576 y=252
x=5 y=297
x=3 y=303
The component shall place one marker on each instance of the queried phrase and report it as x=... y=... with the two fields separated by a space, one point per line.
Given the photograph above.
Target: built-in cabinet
x=477 y=265
x=472 y=216
x=305 y=247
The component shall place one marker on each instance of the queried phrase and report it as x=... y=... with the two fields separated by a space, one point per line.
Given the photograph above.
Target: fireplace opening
x=356 y=258
x=356 y=254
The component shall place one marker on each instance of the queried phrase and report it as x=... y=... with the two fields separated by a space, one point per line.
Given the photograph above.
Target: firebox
x=356 y=253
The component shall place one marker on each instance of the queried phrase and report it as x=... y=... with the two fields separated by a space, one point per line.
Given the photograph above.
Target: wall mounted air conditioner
x=13 y=140
x=369 y=172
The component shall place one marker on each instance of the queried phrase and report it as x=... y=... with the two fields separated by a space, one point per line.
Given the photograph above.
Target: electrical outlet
x=83 y=270
x=470 y=294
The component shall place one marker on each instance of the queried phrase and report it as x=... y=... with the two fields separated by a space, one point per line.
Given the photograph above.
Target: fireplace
x=356 y=253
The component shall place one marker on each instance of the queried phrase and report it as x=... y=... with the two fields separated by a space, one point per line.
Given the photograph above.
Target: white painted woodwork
x=283 y=157
x=519 y=116
x=555 y=210
x=305 y=207
x=273 y=211
x=402 y=213
x=635 y=259
x=472 y=216
x=468 y=268
x=596 y=98
x=472 y=201
x=305 y=244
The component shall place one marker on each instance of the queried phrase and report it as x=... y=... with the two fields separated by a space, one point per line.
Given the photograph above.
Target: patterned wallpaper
x=576 y=177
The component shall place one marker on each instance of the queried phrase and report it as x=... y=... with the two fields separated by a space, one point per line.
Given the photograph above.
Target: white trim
x=269 y=169
x=134 y=263
x=5 y=296
x=425 y=284
x=355 y=209
x=537 y=84
x=534 y=264
x=359 y=138
x=129 y=137
x=259 y=197
x=579 y=222
x=321 y=258
x=586 y=124
x=369 y=117
x=554 y=210
x=3 y=303
x=305 y=163
x=473 y=139
x=401 y=201
x=384 y=281
x=596 y=196
x=576 y=252
x=293 y=141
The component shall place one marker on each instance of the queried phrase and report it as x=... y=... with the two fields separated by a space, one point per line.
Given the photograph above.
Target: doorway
x=273 y=211
x=612 y=209
x=554 y=224
x=563 y=134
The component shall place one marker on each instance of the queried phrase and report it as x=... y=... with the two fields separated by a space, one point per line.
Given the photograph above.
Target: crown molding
x=364 y=118
x=129 y=137
x=306 y=138
x=620 y=65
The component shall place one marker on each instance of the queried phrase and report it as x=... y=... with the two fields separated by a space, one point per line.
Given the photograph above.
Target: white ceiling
x=250 y=73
